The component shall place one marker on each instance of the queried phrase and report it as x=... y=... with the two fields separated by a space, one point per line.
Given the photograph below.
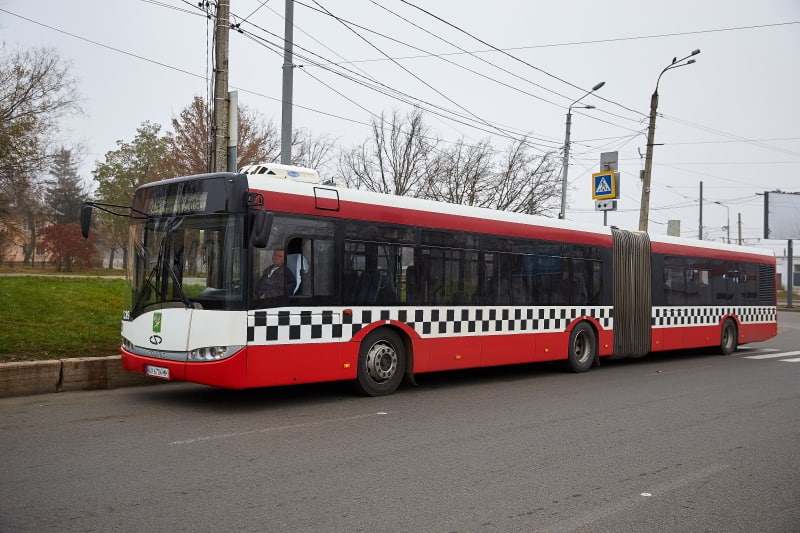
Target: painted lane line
x=277 y=428
x=797 y=360
x=772 y=355
x=586 y=519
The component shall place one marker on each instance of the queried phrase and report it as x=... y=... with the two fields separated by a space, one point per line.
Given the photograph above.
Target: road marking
x=277 y=428
x=791 y=360
x=754 y=349
x=587 y=518
x=772 y=355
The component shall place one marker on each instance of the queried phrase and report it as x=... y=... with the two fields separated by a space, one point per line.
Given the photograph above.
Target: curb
x=83 y=373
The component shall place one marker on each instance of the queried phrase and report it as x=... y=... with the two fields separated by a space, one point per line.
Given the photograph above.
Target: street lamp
x=728 y=227
x=566 y=147
x=644 y=212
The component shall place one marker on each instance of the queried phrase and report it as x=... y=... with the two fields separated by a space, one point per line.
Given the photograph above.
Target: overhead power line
x=515 y=58
x=580 y=43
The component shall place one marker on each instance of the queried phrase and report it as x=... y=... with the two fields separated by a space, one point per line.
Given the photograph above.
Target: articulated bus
x=385 y=287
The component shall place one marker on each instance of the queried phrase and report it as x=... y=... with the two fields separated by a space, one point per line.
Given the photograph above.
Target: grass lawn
x=53 y=317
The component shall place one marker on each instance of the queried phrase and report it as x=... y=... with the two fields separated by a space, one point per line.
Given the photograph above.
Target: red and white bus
x=390 y=286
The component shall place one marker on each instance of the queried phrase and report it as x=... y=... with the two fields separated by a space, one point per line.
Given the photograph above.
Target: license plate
x=156 y=371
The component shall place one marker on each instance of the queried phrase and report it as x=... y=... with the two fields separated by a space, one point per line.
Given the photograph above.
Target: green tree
x=132 y=164
x=65 y=193
x=36 y=90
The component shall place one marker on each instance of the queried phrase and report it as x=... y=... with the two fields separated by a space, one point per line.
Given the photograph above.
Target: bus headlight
x=213 y=353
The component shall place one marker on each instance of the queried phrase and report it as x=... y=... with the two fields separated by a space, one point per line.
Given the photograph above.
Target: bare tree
x=461 y=174
x=525 y=183
x=395 y=160
x=313 y=152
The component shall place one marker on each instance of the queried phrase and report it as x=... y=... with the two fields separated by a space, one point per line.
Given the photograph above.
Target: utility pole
x=644 y=209
x=288 y=83
x=565 y=166
x=740 y=229
x=701 y=211
x=221 y=40
x=644 y=206
x=233 y=130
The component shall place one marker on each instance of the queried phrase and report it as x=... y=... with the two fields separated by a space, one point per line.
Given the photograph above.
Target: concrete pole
x=565 y=168
x=288 y=85
x=701 y=211
x=644 y=209
x=789 y=282
x=233 y=130
x=221 y=41
x=740 y=229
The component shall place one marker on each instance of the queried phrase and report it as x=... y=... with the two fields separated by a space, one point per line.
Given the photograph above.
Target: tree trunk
x=30 y=252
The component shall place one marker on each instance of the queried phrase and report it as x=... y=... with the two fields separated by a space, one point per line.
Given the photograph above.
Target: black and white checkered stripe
x=319 y=325
x=670 y=317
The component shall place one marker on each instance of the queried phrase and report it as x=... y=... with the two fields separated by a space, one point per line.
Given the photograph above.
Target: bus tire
x=582 y=348
x=728 y=338
x=381 y=363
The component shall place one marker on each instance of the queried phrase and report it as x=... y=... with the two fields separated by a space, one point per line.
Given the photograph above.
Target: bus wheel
x=381 y=363
x=582 y=348
x=727 y=338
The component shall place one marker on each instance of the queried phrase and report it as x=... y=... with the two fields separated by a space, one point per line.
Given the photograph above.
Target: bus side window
x=297 y=263
x=311 y=261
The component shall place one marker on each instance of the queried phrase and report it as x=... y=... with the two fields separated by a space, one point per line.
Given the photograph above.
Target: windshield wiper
x=162 y=262
x=167 y=249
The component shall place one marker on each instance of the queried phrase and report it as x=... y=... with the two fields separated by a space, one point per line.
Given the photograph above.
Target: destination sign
x=186 y=203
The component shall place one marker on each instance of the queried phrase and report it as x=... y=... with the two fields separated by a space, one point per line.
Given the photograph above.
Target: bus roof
x=380 y=207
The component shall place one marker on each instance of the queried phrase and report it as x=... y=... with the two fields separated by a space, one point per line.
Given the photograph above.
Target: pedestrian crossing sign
x=604 y=185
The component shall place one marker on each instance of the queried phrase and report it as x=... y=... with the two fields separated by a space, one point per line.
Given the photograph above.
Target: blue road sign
x=604 y=185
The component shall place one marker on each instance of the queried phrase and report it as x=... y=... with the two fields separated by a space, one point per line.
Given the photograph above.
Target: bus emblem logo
x=157 y=323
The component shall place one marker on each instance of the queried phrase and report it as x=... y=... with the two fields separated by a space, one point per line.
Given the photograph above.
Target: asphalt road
x=679 y=442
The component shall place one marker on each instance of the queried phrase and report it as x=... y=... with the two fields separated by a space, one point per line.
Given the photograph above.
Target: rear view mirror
x=262 y=225
x=86 y=220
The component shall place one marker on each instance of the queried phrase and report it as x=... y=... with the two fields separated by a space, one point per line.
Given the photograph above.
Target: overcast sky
x=731 y=120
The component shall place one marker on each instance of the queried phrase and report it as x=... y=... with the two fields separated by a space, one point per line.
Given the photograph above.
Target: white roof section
x=291 y=186
x=288 y=172
x=711 y=245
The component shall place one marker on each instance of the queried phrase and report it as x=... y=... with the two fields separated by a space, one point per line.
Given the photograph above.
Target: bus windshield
x=193 y=261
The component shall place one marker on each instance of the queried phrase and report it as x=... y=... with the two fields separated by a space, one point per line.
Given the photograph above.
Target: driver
x=277 y=279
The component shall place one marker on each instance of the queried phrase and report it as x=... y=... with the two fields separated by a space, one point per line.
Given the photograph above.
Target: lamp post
x=728 y=227
x=565 y=167
x=644 y=212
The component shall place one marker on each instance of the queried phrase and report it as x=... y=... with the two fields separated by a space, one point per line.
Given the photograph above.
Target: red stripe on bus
x=305 y=205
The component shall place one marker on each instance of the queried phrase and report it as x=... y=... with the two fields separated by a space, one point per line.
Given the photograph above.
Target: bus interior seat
x=461 y=298
x=367 y=287
x=350 y=286
x=386 y=293
x=299 y=266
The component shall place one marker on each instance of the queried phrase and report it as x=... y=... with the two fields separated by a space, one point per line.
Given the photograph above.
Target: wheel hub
x=381 y=362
